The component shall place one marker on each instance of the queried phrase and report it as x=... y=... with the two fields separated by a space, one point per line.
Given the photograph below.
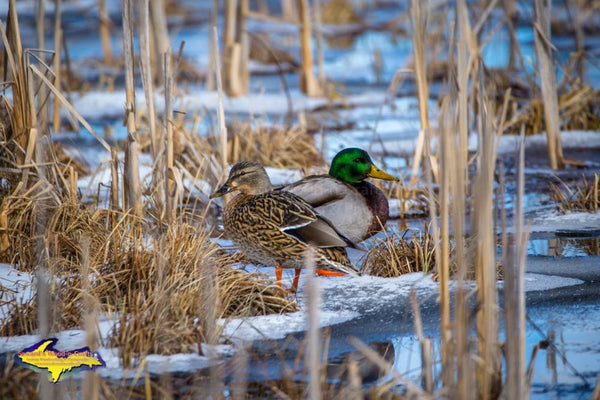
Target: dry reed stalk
x=147 y=83
x=514 y=292
x=160 y=36
x=288 y=10
x=220 y=108
x=58 y=38
x=489 y=364
x=229 y=21
x=68 y=106
x=426 y=356
x=40 y=28
x=157 y=138
x=442 y=242
x=91 y=383
x=458 y=172
x=45 y=301
x=170 y=170
x=239 y=386
x=32 y=150
x=596 y=394
x=114 y=183
x=212 y=63
x=463 y=64
x=20 y=118
x=419 y=31
x=245 y=44
x=543 y=49
x=510 y=11
x=319 y=42
x=355 y=387
x=313 y=298
x=235 y=44
x=131 y=178
x=308 y=82
x=105 y=32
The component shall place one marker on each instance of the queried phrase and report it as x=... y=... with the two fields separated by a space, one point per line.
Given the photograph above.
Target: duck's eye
x=239 y=175
x=359 y=160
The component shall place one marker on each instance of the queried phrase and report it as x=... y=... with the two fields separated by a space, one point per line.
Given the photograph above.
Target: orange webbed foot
x=322 y=272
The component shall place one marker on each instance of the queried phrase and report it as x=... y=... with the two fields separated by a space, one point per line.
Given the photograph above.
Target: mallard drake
x=357 y=208
x=277 y=227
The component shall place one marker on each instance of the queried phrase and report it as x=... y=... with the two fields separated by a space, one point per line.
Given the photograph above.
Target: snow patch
x=15 y=286
x=552 y=221
x=509 y=144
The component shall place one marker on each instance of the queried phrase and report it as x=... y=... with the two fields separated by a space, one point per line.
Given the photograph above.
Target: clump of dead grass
x=62 y=222
x=583 y=197
x=182 y=285
x=246 y=294
x=394 y=256
x=17 y=382
x=273 y=146
x=578 y=105
x=165 y=286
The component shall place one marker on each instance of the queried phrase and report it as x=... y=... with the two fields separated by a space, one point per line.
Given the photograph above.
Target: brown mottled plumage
x=277 y=228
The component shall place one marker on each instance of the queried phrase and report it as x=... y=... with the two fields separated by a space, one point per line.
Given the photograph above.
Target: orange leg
x=279 y=276
x=322 y=272
x=294 y=287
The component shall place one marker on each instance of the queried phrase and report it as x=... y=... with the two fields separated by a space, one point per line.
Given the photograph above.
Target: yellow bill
x=379 y=174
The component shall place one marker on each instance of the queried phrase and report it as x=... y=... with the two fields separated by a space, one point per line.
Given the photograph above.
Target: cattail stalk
x=488 y=371
x=313 y=299
x=308 y=82
x=220 y=108
x=131 y=181
x=419 y=30
x=543 y=52
x=514 y=291
x=105 y=32
x=58 y=33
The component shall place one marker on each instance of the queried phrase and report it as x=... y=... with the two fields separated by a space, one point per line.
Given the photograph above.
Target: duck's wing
x=319 y=190
x=299 y=219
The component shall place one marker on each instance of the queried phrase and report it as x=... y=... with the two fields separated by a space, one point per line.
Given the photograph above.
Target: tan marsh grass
x=394 y=255
x=584 y=196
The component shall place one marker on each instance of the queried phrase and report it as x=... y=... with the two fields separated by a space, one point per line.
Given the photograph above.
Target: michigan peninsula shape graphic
x=44 y=356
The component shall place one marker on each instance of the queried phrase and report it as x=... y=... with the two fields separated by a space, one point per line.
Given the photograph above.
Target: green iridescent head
x=353 y=165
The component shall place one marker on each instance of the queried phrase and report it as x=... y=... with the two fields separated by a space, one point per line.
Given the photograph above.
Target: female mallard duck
x=358 y=209
x=277 y=227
